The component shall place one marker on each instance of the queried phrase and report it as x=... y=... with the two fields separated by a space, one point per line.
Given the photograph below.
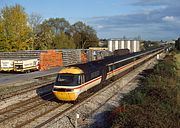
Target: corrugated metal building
x=132 y=45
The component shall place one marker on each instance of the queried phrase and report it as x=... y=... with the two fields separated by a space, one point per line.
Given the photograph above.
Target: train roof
x=100 y=64
x=72 y=70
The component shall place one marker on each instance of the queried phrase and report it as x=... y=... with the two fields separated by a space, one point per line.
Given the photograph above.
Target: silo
x=132 y=45
x=113 y=45
x=125 y=44
x=137 y=45
x=119 y=44
x=110 y=45
x=128 y=45
x=122 y=44
x=116 y=45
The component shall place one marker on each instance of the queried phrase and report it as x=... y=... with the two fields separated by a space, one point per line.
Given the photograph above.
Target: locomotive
x=75 y=79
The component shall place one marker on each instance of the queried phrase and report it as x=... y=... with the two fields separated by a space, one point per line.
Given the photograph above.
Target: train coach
x=73 y=80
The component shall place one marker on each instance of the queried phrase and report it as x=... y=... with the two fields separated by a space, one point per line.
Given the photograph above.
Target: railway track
x=18 y=112
x=43 y=108
x=64 y=107
x=26 y=88
x=23 y=113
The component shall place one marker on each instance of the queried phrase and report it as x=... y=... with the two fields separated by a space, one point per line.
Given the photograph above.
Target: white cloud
x=100 y=26
x=169 y=18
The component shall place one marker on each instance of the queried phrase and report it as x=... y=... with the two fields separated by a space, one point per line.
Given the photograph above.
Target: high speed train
x=73 y=80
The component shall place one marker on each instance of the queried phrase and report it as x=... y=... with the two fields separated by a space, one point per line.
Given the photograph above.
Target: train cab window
x=82 y=79
x=68 y=80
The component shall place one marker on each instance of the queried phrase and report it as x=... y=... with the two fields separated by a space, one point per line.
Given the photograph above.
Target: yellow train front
x=67 y=84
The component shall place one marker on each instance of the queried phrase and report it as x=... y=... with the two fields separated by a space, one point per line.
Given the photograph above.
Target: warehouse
x=132 y=45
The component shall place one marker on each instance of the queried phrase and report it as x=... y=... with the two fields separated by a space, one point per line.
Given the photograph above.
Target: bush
x=156 y=103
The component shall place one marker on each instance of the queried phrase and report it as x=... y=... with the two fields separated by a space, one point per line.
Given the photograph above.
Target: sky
x=149 y=19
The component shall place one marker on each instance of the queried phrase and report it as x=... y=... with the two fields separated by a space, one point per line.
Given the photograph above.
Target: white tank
x=128 y=45
x=116 y=45
x=132 y=45
x=122 y=44
x=110 y=45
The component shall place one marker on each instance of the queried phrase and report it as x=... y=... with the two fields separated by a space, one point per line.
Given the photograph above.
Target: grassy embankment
x=156 y=103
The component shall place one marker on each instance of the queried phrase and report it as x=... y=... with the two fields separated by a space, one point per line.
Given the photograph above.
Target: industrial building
x=132 y=45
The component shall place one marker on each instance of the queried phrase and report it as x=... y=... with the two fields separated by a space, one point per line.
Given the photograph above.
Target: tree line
x=20 y=31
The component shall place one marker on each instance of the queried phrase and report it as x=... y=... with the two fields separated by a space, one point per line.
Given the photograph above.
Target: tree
x=57 y=25
x=44 y=38
x=63 y=41
x=34 y=21
x=20 y=32
x=15 y=29
x=61 y=32
x=84 y=35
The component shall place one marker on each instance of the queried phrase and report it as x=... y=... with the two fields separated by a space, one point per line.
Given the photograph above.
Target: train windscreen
x=67 y=80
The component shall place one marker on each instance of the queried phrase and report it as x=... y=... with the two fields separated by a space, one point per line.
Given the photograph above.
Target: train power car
x=75 y=79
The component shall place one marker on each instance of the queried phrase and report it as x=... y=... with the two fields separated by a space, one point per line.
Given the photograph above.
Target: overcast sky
x=150 y=19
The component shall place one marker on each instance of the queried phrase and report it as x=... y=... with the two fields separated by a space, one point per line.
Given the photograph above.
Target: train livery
x=73 y=80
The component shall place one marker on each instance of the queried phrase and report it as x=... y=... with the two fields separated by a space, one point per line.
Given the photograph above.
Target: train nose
x=66 y=96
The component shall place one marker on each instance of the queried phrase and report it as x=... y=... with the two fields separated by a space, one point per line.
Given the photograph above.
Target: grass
x=156 y=103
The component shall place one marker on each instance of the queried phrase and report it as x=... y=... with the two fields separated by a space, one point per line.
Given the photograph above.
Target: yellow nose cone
x=66 y=96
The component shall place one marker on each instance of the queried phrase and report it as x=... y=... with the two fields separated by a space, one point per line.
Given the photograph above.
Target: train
x=76 y=79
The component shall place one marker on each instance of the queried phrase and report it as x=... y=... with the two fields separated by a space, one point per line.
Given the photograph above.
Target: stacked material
x=49 y=59
x=71 y=56
x=20 y=54
x=97 y=54
x=84 y=58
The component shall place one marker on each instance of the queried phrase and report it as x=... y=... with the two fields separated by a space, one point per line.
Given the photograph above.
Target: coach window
x=110 y=68
x=95 y=74
x=116 y=65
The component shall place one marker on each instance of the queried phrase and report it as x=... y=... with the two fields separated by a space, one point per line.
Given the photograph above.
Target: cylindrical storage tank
x=119 y=44
x=131 y=45
x=110 y=45
x=116 y=45
x=125 y=44
x=128 y=45
x=137 y=45
x=134 y=46
x=113 y=45
x=122 y=44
